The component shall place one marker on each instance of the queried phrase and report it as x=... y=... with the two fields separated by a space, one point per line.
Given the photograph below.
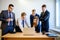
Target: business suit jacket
x=3 y=17
x=44 y=18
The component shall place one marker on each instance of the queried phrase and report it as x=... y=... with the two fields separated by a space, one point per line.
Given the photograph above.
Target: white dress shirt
x=21 y=25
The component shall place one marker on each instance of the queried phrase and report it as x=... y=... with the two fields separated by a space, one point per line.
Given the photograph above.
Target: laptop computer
x=28 y=31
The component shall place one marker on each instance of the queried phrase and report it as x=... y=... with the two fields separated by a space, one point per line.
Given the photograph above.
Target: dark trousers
x=8 y=29
x=18 y=29
x=44 y=28
x=37 y=28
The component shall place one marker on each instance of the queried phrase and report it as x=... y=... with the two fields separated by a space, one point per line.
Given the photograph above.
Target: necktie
x=23 y=22
x=43 y=13
x=9 y=15
x=11 y=22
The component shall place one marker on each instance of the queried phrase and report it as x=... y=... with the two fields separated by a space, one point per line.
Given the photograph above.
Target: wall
x=28 y=5
x=0 y=4
x=0 y=10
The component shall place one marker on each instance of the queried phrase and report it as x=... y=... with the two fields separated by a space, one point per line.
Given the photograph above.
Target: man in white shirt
x=22 y=21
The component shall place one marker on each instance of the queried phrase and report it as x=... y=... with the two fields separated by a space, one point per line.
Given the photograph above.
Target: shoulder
x=19 y=20
x=4 y=11
x=37 y=14
x=47 y=11
x=30 y=14
x=13 y=13
x=41 y=12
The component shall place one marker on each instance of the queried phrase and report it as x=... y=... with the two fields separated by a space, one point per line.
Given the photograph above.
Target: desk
x=22 y=36
x=0 y=34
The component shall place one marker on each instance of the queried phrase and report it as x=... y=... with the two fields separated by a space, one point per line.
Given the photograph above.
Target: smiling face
x=35 y=21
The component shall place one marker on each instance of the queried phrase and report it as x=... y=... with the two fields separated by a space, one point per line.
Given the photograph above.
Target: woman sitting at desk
x=36 y=24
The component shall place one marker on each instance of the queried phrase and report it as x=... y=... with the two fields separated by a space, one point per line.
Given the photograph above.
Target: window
x=57 y=14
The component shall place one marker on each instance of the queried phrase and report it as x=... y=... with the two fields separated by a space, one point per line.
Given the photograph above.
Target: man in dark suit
x=44 y=18
x=8 y=20
x=31 y=20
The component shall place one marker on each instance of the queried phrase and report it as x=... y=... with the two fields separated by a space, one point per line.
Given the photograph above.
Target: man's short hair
x=43 y=5
x=11 y=5
x=33 y=10
x=23 y=14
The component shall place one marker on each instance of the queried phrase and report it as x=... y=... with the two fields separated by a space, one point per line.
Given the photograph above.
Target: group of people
x=9 y=23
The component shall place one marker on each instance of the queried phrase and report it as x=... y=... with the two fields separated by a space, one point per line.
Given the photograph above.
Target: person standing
x=44 y=18
x=8 y=20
